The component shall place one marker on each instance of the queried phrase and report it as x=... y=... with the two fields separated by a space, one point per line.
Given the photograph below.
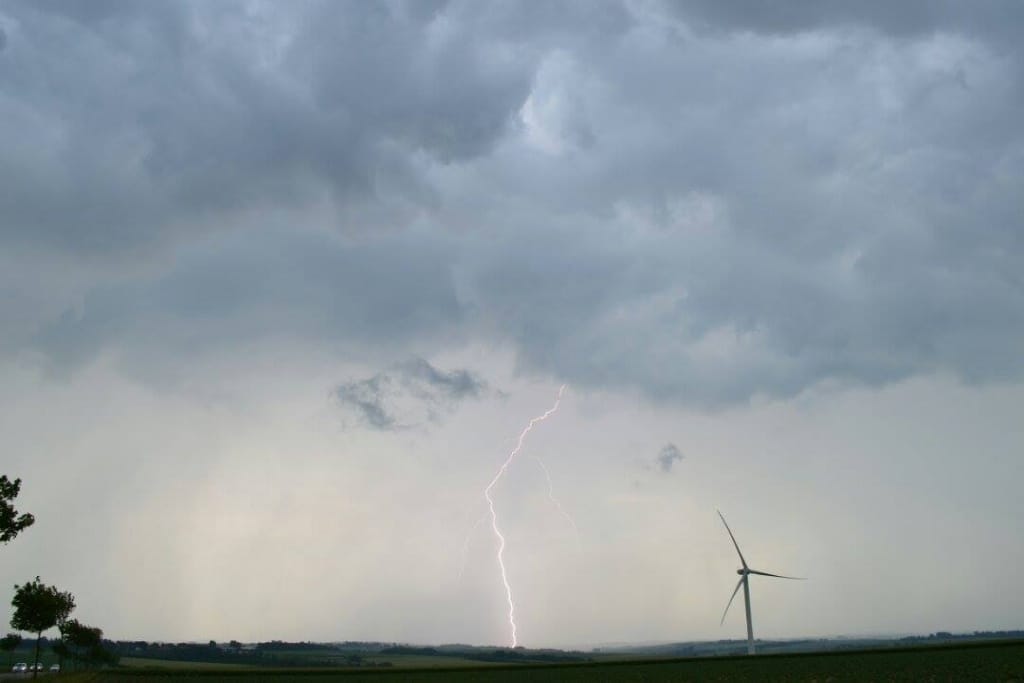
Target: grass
x=145 y=662
x=998 y=661
x=396 y=660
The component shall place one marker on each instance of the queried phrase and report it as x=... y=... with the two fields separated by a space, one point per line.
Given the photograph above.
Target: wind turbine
x=745 y=573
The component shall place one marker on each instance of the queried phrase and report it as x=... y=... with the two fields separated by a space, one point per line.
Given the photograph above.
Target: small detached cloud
x=668 y=456
x=409 y=394
x=365 y=398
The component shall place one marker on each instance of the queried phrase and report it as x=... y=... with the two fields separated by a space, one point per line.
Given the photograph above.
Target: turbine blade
x=740 y=583
x=777 y=576
x=742 y=561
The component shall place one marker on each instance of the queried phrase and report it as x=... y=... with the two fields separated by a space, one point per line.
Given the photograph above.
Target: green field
x=338 y=661
x=414 y=661
x=139 y=662
x=999 y=661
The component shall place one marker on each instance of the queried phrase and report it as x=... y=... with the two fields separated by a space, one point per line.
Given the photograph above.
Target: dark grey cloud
x=807 y=227
x=437 y=386
x=251 y=285
x=365 y=397
x=910 y=18
x=688 y=200
x=668 y=456
x=152 y=118
x=409 y=394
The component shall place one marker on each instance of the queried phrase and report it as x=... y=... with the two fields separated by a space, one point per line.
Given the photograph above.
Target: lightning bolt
x=555 y=501
x=494 y=515
x=551 y=497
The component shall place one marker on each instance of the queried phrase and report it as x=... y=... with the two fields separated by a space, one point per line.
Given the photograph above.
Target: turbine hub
x=741 y=572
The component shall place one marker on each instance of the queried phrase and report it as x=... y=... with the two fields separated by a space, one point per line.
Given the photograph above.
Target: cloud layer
x=700 y=203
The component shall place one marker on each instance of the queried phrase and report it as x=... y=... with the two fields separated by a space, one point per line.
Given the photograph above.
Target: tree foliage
x=38 y=607
x=85 y=643
x=62 y=651
x=11 y=523
x=9 y=644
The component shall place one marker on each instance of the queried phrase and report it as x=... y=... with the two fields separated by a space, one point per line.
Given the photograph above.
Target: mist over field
x=282 y=283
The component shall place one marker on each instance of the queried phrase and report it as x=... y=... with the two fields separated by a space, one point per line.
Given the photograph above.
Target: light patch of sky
x=233 y=508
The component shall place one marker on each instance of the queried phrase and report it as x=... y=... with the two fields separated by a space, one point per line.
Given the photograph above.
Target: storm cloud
x=661 y=198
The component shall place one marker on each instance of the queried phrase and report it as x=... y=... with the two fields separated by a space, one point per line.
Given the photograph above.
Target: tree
x=86 y=640
x=100 y=655
x=60 y=649
x=68 y=636
x=9 y=644
x=38 y=607
x=10 y=522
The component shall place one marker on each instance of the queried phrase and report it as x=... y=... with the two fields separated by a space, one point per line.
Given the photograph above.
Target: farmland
x=992 y=661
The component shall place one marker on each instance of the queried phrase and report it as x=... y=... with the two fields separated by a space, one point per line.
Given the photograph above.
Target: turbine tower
x=745 y=573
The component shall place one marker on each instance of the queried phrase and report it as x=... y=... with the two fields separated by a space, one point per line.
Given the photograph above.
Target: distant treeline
x=281 y=646
x=734 y=647
x=46 y=644
x=946 y=635
x=273 y=653
x=306 y=654
x=486 y=655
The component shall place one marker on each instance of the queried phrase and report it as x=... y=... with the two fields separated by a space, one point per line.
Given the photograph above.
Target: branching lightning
x=555 y=501
x=494 y=514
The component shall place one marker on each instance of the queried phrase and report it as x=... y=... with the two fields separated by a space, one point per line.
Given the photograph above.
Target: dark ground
x=998 y=661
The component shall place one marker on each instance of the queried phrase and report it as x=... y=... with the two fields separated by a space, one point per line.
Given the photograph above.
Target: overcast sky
x=281 y=284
